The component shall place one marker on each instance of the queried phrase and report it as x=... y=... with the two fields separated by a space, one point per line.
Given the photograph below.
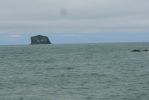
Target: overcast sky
x=66 y=20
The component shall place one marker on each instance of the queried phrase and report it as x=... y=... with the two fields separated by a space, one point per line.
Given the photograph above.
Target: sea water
x=108 y=71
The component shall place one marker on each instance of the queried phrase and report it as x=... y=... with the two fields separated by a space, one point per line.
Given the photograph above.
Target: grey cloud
x=74 y=15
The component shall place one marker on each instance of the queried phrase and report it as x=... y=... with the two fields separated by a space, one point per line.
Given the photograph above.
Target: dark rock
x=136 y=50
x=39 y=39
x=145 y=50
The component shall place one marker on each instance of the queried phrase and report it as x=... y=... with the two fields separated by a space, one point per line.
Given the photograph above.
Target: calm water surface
x=74 y=72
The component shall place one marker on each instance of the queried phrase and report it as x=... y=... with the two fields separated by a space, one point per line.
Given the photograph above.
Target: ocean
x=102 y=71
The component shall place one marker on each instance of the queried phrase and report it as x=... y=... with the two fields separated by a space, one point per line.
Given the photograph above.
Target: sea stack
x=39 y=39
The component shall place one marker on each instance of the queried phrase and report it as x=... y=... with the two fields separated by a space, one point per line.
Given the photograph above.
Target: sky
x=74 y=21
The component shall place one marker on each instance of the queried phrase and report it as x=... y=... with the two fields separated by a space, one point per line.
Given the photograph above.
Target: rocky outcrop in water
x=138 y=50
x=39 y=39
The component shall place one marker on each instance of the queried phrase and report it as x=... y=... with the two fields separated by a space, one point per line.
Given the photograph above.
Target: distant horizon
x=75 y=43
x=76 y=38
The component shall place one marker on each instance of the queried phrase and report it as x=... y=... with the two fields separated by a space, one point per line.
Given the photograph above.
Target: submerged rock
x=145 y=50
x=39 y=39
x=138 y=50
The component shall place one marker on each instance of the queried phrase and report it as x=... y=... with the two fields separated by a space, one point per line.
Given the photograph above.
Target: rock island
x=39 y=39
